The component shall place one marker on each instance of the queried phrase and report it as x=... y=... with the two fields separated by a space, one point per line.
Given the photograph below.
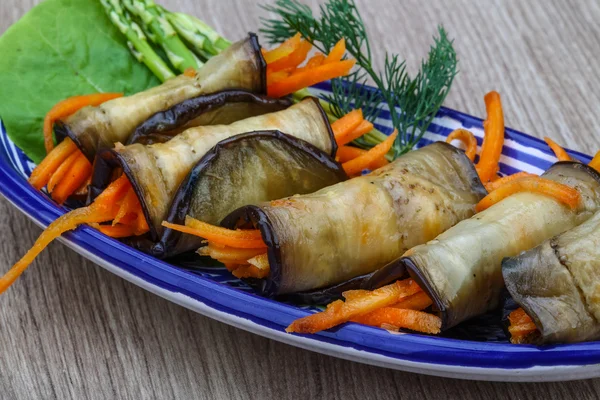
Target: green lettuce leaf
x=61 y=48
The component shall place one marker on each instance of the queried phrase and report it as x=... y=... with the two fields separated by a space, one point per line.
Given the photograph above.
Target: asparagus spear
x=205 y=41
x=136 y=40
x=162 y=33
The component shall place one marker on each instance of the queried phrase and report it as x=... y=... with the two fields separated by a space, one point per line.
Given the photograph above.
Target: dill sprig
x=412 y=102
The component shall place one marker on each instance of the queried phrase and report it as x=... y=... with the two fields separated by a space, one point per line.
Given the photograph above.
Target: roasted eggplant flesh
x=220 y=108
x=558 y=284
x=157 y=170
x=352 y=228
x=461 y=269
x=246 y=169
x=241 y=66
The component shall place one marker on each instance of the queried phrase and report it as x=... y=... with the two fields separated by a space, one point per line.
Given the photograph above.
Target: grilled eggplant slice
x=250 y=168
x=220 y=108
x=558 y=284
x=357 y=226
x=241 y=66
x=461 y=269
x=156 y=170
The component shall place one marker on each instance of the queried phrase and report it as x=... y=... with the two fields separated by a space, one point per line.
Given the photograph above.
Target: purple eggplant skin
x=241 y=66
x=557 y=284
x=477 y=281
x=251 y=167
x=413 y=200
x=213 y=109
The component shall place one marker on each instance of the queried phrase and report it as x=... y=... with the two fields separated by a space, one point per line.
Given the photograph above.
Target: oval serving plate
x=216 y=294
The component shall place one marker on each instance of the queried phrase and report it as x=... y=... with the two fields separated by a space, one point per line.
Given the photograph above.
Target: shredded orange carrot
x=261 y=262
x=116 y=231
x=310 y=77
x=562 y=193
x=337 y=52
x=347 y=153
x=292 y=60
x=278 y=76
x=76 y=176
x=103 y=209
x=521 y=326
x=491 y=186
x=249 y=271
x=355 y=166
x=468 y=140
x=595 y=163
x=67 y=107
x=560 y=153
x=312 y=62
x=190 y=72
x=127 y=206
x=345 y=125
x=493 y=141
x=284 y=49
x=418 y=301
x=403 y=318
x=62 y=170
x=228 y=254
x=240 y=238
x=43 y=172
x=339 y=312
x=364 y=127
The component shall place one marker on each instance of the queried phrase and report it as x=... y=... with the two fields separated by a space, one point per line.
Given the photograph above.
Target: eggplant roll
x=357 y=226
x=245 y=169
x=461 y=269
x=558 y=284
x=219 y=108
x=240 y=66
x=157 y=170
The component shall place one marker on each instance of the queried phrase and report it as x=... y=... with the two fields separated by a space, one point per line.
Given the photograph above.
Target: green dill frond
x=412 y=102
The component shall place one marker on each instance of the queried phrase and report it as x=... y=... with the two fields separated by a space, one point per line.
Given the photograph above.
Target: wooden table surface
x=69 y=329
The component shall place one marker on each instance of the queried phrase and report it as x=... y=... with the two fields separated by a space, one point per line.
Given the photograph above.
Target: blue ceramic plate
x=214 y=293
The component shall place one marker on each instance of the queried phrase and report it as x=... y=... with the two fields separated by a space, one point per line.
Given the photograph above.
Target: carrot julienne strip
x=103 y=209
x=41 y=175
x=249 y=271
x=292 y=60
x=355 y=166
x=345 y=125
x=190 y=72
x=347 y=137
x=403 y=318
x=240 y=238
x=559 y=152
x=418 y=301
x=312 y=62
x=116 y=231
x=467 y=138
x=337 y=52
x=228 y=254
x=339 y=312
x=521 y=326
x=310 y=77
x=595 y=163
x=562 y=193
x=493 y=141
x=62 y=170
x=283 y=50
x=67 y=107
x=491 y=186
x=75 y=177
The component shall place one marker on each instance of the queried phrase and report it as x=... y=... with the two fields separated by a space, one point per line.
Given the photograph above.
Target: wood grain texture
x=69 y=329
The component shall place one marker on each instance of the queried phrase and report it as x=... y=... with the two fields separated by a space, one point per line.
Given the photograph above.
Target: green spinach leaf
x=61 y=48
